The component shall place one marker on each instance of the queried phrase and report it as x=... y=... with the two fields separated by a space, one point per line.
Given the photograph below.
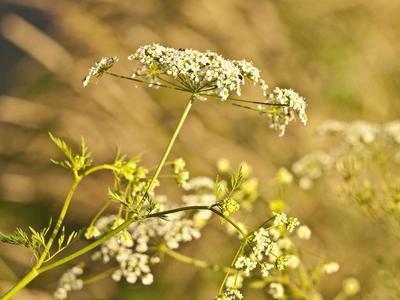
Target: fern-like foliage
x=33 y=239
x=74 y=162
x=19 y=237
x=36 y=240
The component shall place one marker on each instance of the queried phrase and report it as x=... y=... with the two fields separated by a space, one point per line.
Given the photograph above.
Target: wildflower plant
x=137 y=225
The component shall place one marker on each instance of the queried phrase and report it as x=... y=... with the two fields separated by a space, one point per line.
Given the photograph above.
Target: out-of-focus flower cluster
x=311 y=167
x=360 y=143
x=366 y=157
x=133 y=248
x=69 y=281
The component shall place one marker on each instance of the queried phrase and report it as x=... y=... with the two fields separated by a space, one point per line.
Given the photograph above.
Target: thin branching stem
x=199 y=93
x=163 y=160
x=238 y=253
x=193 y=261
x=100 y=276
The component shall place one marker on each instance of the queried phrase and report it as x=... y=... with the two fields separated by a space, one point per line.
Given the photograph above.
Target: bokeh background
x=342 y=55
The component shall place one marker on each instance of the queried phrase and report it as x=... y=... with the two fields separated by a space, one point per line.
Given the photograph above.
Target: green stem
x=99 y=276
x=155 y=176
x=99 y=168
x=124 y=225
x=193 y=261
x=240 y=250
x=190 y=90
x=100 y=212
x=168 y=149
x=60 y=220
x=142 y=81
x=34 y=271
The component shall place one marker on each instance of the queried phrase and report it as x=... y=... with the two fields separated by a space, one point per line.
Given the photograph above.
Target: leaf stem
x=193 y=261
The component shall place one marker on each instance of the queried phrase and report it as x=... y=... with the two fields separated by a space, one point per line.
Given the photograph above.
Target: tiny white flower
x=351 y=286
x=330 y=267
x=303 y=232
x=293 y=262
x=147 y=279
x=276 y=290
x=234 y=281
x=100 y=67
x=266 y=268
x=280 y=219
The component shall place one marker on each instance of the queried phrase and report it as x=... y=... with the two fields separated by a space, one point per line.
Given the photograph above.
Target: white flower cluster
x=304 y=232
x=362 y=133
x=359 y=142
x=198 y=183
x=207 y=74
x=281 y=219
x=392 y=130
x=290 y=105
x=330 y=267
x=283 y=176
x=234 y=281
x=101 y=66
x=354 y=133
x=276 y=290
x=196 y=71
x=311 y=167
x=179 y=168
x=200 y=217
x=230 y=294
x=69 y=281
x=131 y=248
x=266 y=247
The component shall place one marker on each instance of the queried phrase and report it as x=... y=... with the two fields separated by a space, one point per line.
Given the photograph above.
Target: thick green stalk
x=168 y=149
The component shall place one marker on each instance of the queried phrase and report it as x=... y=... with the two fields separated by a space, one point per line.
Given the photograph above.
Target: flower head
x=289 y=105
x=276 y=290
x=330 y=267
x=195 y=71
x=69 y=281
x=99 y=68
x=231 y=294
x=207 y=74
x=304 y=232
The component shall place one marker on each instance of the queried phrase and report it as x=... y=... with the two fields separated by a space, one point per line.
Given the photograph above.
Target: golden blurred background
x=342 y=55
